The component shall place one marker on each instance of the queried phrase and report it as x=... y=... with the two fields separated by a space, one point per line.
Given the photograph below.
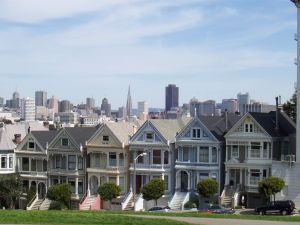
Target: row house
x=253 y=145
x=7 y=158
x=108 y=156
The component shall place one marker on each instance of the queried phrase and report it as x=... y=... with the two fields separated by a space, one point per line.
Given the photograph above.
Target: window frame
x=64 y=141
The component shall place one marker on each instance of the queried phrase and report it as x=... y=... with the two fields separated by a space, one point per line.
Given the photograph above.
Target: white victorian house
x=253 y=144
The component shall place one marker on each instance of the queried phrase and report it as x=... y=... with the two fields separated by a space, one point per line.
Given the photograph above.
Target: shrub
x=270 y=186
x=190 y=204
x=109 y=191
x=60 y=193
x=153 y=190
x=207 y=188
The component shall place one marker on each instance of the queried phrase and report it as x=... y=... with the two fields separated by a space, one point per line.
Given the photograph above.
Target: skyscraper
x=129 y=104
x=28 y=109
x=90 y=103
x=172 y=96
x=53 y=104
x=230 y=105
x=1 y=102
x=40 y=98
x=243 y=99
x=142 y=110
x=65 y=106
x=16 y=100
x=106 y=107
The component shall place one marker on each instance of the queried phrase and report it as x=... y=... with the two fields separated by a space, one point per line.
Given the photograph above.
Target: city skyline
x=208 y=48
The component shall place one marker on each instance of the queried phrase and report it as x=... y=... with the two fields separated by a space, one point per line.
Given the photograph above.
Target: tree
x=109 y=191
x=290 y=107
x=10 y=188
x=270 y=186
x=153 y=190
x=207 y=188
x=60 y=193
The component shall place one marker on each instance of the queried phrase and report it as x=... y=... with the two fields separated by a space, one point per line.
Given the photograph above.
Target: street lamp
x=134 y=175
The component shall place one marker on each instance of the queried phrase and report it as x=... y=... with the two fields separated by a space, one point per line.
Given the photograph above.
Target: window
x=80 y=163
x=213 y=176
x=72 y=162
x=141 y=158
x=122 y=183
x=149 y=136
x=248 y=127
x=204 y=154
x=80 y=186
x=166 y=157
x=112 y=159
x=214 y=155
x=121 y=159
x=10 y=162
x=264 y=173
x=255 y=150
x=235 y=152
x=63 y=162
x=185 y=154
x=65 y=142
x=33 y=164
x=166 y=179
x=203 y=176
x=196 y=133
x=3 y=162
x=105 y=138
x=97 y=160
x=193 y=154
x=266 y=150
x=25 y=164
x=156 y=157
x=63 y=179
x=254 y=177
x=31 y=145
x=57 y=161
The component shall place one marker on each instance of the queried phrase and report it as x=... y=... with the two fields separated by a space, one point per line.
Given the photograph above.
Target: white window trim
x=196 y=128
x=65 y=145
x=31 y=148
x=238 y=153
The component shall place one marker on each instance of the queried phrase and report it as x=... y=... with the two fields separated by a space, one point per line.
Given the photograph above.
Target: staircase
x=89 y=201
x=36 y=205
x=46 y=204
x=129 y=205
x=227 y=199
x=177 y=200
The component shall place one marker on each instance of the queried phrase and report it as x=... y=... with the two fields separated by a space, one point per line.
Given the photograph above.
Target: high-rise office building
x=229 y=105
x=40 y=98
x=129 y=104
x=90 y=103
x=53 y=104
x=142 y=110
x=209 y=107
x=122 y=112
x=106 y=107
x=15 y=100
x=65 y=106
x=28 y=109
x=172 y=97
x=1 y=102
x=242 y=99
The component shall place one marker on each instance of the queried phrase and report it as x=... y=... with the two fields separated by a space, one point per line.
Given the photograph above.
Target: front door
x=184 y=181
x=41 y=190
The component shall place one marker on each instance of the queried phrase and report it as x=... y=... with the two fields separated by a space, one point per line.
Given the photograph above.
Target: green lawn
x=76 y=217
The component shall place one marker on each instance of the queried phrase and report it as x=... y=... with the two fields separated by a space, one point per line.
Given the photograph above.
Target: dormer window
x=105 y=138
x=196 y=133
x=65 y=142
x=149 y=136
x=248 y=127
x=31 y=145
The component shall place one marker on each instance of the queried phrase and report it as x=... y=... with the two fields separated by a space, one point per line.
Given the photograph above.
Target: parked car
x=283 y=207
x=218 y=209
x=159 y=209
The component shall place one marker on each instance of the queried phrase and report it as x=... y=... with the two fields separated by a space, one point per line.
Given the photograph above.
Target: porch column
x=29 y=164
x=209 y=154
x=118 y=159
x=241 y=175
x=162 y=157
x=88 y=187
x=226 y=176
x=76 y=160
x=118 y=180
x=198 y=159
x=76 y=186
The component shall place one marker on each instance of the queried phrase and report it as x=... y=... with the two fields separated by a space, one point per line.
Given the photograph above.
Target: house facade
x=7 y=156
x=253 y=144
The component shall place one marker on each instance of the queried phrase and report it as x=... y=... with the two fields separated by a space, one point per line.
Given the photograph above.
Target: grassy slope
x=75 y=217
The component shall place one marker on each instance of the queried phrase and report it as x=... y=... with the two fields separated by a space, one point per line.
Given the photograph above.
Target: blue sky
x=211 y=49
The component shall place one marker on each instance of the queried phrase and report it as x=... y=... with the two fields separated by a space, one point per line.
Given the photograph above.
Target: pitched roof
x=217 y=124
x=123 y=130
x=81 y=134
x=6 y=143
x=169 y=128
x=44 y=137
x=268 y=122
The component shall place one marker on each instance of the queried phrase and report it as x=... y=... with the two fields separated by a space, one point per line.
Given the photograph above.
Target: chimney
x=277 y=114
x=28 y=130
x=17 y=139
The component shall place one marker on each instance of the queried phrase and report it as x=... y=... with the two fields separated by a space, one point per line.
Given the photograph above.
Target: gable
x=148 y=134
x=30 y=144
x=247 y=126
x=105 y=137
x=195 y=130
x=63 y=141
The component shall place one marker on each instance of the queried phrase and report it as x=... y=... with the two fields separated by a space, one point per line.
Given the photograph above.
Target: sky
x=211 y=49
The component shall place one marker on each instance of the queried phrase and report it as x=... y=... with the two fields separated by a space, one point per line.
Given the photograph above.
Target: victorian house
x=199 y=147
x=32 y=165
x=7 y=157
x=108 y=158
x=67 y=160
x=153 y=154
x=254 y=145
